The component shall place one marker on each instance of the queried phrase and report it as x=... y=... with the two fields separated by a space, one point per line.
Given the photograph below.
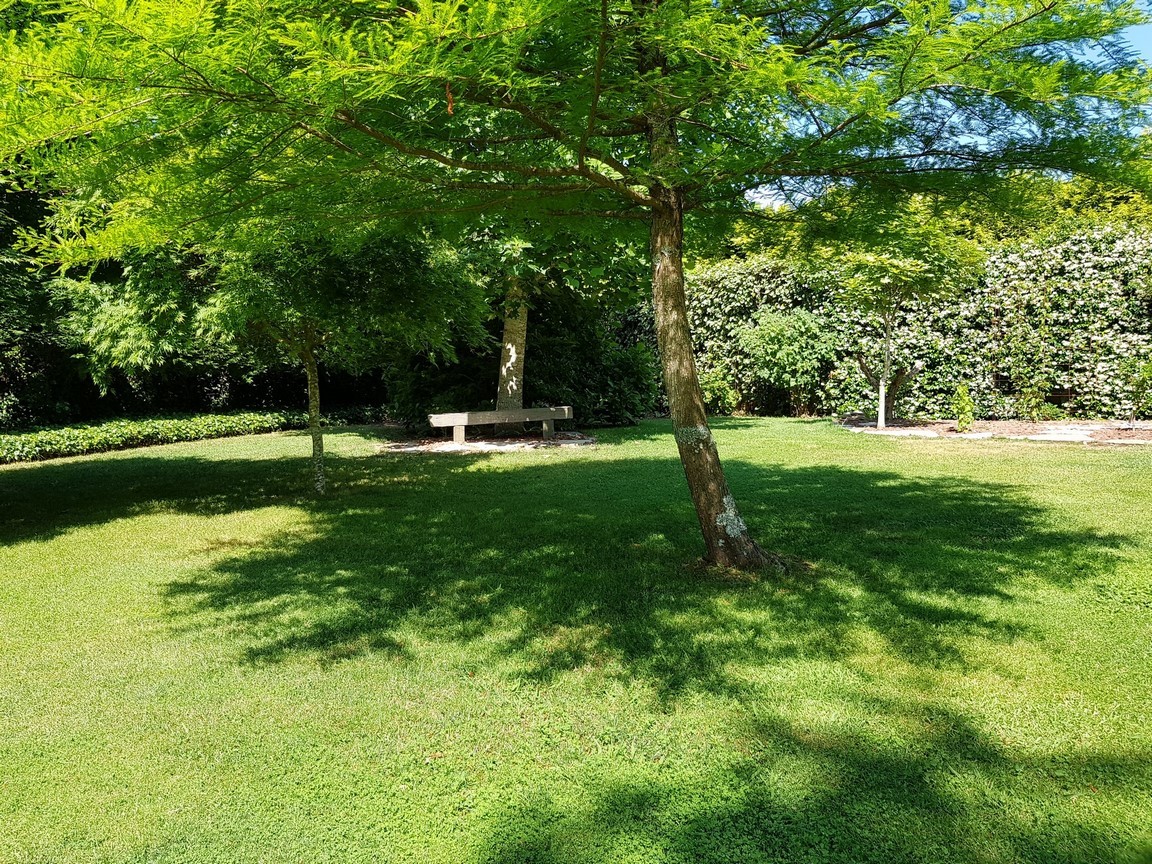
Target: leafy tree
x=882 y=253
x=169 y=118
x=525 y=259
x=306 y=299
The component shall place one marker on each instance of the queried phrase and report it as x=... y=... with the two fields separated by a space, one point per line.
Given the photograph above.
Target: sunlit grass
x=511 y=658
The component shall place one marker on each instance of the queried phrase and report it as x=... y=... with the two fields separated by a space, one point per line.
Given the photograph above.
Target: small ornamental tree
x=889 y=258
x=305 y=299
x=172 y=117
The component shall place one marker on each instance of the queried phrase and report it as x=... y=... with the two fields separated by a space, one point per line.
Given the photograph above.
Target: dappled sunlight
x=913 y=568
x=866 y=779
x=522 y=648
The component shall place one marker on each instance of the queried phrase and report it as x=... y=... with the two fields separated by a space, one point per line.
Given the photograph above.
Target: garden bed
x=1086 y=431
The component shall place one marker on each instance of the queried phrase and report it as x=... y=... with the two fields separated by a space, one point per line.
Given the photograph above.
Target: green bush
x=719 y=395
x=792 y=351
x=964 y=408
x=123 y=434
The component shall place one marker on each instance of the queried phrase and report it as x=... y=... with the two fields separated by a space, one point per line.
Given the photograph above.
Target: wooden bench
x=462 y=419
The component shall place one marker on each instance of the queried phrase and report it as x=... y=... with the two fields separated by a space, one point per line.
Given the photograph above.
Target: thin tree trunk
x=308 y=355
x=510 y=392
x=726 y=537
x=885 y=377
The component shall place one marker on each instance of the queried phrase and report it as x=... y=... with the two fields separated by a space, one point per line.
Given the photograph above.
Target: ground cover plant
x=505 y=658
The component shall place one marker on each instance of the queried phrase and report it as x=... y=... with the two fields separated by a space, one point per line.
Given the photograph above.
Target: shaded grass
x=506 y=658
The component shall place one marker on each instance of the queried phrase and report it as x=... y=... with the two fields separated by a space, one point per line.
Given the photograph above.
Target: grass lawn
x=504 y=658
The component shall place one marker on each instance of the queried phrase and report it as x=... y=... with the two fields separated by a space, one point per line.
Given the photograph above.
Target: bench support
x=549 y=428
x=458 y=434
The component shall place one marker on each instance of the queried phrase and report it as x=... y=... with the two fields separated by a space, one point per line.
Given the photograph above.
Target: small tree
x=306 y=299
x=890 y=259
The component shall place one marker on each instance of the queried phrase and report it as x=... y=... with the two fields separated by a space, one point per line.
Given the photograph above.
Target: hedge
x=124 y=434
x=1064 y=315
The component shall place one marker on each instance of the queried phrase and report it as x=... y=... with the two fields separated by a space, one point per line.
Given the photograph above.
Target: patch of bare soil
x=489 y=444
x=1123 y=433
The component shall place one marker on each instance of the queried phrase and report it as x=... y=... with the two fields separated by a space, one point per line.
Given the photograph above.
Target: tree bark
x=726 y=537
x=320 y=480
x=885 y=377
x=510 y=392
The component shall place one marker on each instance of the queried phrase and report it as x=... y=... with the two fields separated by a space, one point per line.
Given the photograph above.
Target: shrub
x=123 y=434
x=964 y=408
x=1136 y=375
x=790 y=350
x=719 y=395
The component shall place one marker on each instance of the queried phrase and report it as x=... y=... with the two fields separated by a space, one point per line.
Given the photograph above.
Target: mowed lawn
x=510 y=657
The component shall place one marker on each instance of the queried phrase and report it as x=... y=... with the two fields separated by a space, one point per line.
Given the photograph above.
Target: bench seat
x=462 y=419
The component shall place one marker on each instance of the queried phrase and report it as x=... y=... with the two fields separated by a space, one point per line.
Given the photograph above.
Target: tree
x=173 y=117
x=308 y=299
x=524 y=259
x=879 y=253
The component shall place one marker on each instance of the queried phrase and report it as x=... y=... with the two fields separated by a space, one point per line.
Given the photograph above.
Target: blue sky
x=1141 y=39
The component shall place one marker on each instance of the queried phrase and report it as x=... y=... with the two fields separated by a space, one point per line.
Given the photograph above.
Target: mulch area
x=1123 y=434
x=490 y=443
x=1094 y=430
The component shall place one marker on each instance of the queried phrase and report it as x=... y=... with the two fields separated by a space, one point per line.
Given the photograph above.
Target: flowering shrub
x=1057 y=318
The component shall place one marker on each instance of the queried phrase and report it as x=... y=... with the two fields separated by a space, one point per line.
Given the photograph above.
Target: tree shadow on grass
x=41 y=500
x=944 y=791
x=571 y=564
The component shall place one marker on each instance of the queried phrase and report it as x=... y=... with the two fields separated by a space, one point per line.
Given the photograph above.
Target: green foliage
x=340 y=115
x=280 y=296
x=963 y=408
x=124 y=434
x=722 y=299
x=612 y=386
x=1136 y=375
x=720 y=397
x=1053 y=313
x=792 y=351
x=577 y=355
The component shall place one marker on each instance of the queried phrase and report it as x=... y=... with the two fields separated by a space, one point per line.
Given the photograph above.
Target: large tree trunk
x=510 y=392
x=726 y=537
x=308 y=355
